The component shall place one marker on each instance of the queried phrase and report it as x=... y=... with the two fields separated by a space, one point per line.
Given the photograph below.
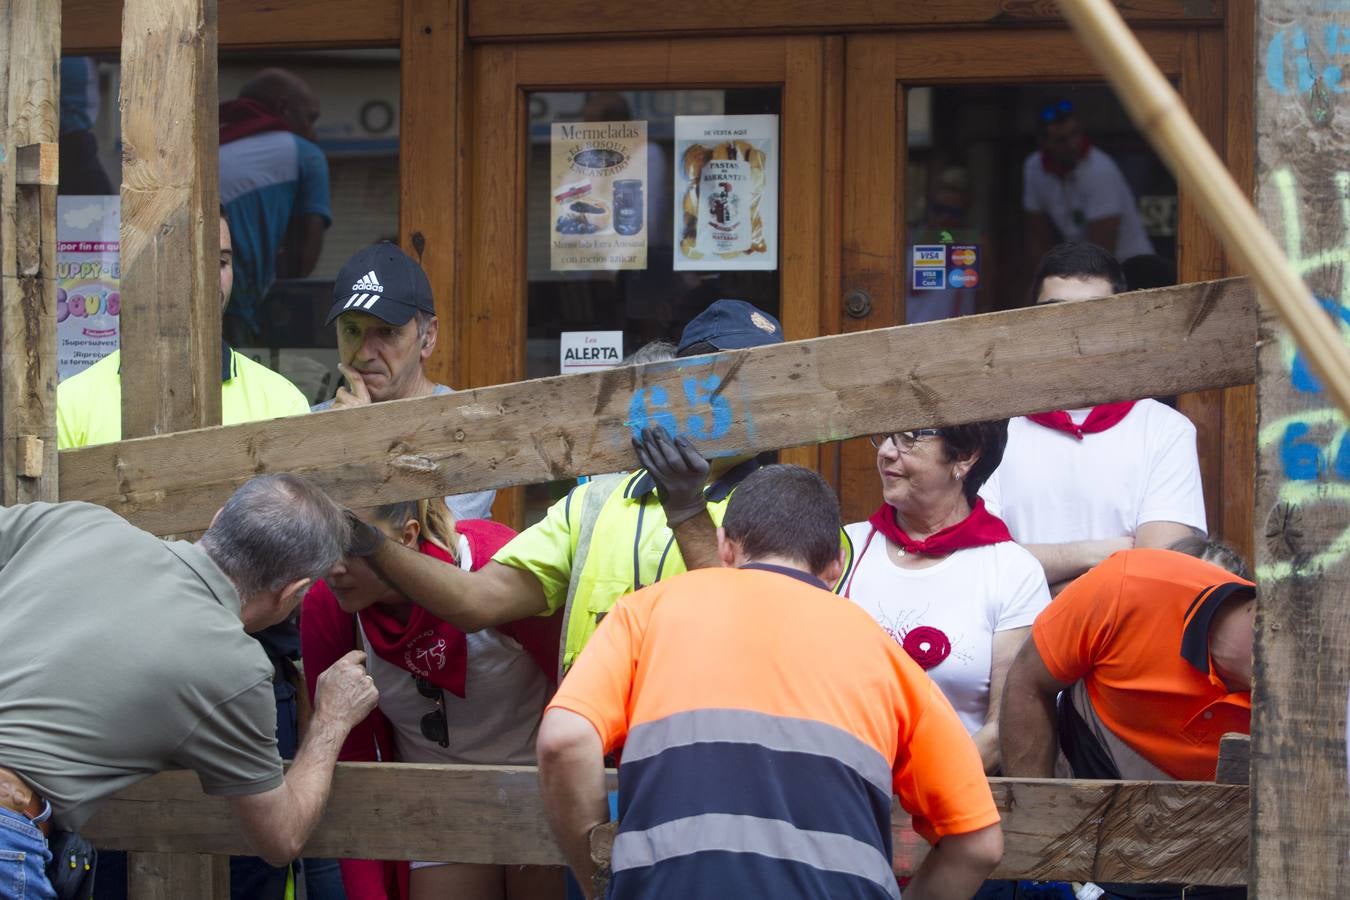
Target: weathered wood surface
x=1301 y=818
x=479 y=814
x=30 y=32
x=1109 y=831
x=1156 y=342
x=1235 y=759
x=505 y=19
x=178 y=876
x=1128 y=831
x=170 y=233
x=94 y=26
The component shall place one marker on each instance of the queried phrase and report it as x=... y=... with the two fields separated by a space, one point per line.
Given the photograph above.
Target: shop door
x=938 y=127
x=592 y=176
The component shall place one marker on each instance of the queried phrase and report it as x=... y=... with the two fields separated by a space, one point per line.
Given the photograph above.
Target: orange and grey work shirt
x=764 y=724
x=1135 y=629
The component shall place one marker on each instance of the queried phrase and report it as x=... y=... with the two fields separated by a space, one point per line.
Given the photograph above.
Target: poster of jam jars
x=598 y=203
x=88 y=273
x=726 y=192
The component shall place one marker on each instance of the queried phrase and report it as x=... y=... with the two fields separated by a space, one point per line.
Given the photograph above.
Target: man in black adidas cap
x=386 y=330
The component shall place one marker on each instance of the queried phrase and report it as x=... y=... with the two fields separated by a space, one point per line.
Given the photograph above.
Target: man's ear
x=213 y=518
x=429 y=342
x=832 y=572
x=291 y=595
x=727 y=549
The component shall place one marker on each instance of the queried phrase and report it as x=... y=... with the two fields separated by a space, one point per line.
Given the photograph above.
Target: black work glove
x=678 y=469
x=365 y=538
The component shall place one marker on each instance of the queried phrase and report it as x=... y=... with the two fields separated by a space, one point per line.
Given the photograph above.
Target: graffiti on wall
x=1313 y=445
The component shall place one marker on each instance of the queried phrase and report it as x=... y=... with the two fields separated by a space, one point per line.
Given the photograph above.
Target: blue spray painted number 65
x=651 y=407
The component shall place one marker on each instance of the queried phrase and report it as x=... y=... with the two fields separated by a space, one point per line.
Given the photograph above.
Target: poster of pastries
x=726 y=192
x=599 y=181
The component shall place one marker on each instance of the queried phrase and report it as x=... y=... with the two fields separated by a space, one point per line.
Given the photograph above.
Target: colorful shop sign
x=598 y=200
x=88 y=274
x=726 y=192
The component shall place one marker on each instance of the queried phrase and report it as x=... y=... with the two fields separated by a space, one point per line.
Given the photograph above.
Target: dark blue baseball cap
x=731 y=325
x=383 y=281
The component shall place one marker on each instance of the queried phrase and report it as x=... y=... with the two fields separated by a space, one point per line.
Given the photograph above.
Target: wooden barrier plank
x=30 y=33
x=1061 y=829
x=1165 y=341
x=1300 y=817
x=178 y=876
x=170 y=229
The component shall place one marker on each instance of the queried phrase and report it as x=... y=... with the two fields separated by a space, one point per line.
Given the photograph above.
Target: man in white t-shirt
x=1079 y=190
x=1077 y=485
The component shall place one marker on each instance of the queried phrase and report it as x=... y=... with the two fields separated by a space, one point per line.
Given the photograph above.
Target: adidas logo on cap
x=365 y=292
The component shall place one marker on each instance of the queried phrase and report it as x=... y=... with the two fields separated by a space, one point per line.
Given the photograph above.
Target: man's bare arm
x=1066 y=561
x=697 y=539
x=1161 y=534
x=957 y=865
x=278 y=823
x=1028 y=738
x=572 y=786
x=471 y=601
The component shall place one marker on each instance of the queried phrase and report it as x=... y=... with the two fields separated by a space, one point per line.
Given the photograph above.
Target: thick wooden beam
x=1054 y=829
x=515 y=19
x=1132 y=345
x=1301 y=821
x=170 y=217
x=30 y=32
x=95 y=26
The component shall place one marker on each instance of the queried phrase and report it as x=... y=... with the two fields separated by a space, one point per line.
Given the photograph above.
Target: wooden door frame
x=493 y=305
x=1202 y=59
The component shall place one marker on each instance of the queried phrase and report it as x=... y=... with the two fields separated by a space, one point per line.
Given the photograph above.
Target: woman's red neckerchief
x=1101 y=418
x=979 y=528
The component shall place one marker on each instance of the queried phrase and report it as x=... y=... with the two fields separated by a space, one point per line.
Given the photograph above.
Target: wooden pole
x=171 y=309
x=1162 y=117
x=30 y=53
x=1300 y=806
x=170 y=217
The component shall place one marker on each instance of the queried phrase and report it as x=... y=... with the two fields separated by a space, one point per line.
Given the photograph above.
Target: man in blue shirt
x=274 y=183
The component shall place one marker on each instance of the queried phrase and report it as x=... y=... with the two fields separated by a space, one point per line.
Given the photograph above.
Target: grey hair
x=274 y=530
x=1212 y=551
x=653 y=351
x=423 y=323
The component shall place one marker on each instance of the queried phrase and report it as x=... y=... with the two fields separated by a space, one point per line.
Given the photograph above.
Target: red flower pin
x=927 y=646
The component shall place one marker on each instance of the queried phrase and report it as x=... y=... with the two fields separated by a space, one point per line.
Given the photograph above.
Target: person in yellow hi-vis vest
x=610 y=536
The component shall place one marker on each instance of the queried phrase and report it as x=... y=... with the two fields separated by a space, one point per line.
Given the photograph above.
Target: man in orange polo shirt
x=1152 y=651
x=764 y=724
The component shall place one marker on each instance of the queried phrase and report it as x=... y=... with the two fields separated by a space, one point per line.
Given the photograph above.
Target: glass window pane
x=970 y=149
x=648 y=304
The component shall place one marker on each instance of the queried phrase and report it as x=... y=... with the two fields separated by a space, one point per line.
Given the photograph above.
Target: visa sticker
x=929 y=256
x=930 y=279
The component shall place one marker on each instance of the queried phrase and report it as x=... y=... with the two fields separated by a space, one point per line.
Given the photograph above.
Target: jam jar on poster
x=726 y=190
x=598 y=203
x=88 y=274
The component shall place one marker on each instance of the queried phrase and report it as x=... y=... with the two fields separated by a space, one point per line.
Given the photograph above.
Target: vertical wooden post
x=30 y=54
x=170 y=217
x=1301 y=813
x=171 y=306
x=432 y=106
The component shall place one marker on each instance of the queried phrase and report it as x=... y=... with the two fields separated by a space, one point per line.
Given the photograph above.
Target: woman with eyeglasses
x=941 y=574
x=445 y=696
